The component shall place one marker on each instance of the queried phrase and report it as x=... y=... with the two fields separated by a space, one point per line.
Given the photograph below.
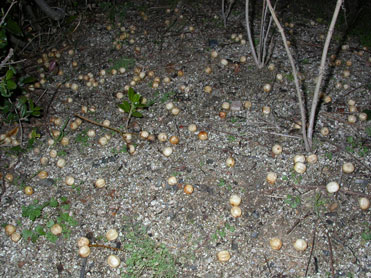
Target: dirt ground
x=163 y=231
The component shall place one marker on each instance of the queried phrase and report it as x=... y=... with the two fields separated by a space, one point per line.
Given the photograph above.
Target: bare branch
x=54 y=14
x=294 y=72
x=6 y=14
x=321 y=72
x=7 y=58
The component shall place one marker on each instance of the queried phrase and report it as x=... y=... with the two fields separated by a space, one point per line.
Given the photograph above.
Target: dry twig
x=331 y=255
x=311 y=249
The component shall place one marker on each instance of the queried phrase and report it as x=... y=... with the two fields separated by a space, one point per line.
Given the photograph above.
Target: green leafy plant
x=293 y=201
x=17 y=150
x=296 y=177
x=34 y=211
x=222 y=232
x=132 y=105
x=354 y=146
x=82 y=138
x=125 y=62
x=366 y=234
x=14 y=105
x=146 y=256
x=319 y=203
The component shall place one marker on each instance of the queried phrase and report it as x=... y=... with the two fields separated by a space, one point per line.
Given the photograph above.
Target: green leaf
x=4 y=90
x=66 y=207
x=131 y=94
x=13 y=27
x=9 y=74
x=136 y=99
x=125 y=106
x=368 y=113
x=11 y=84
x=53 y=203
x=63 y=199
x=36 y=113
x=137 y=114
x=40 y=230
x=51 y=237
x=140 y=105
x=27 y=80
x=3 y=38
x=27 y=234
x=50 y=223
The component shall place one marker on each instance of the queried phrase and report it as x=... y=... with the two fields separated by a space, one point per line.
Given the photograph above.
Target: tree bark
x=50 y=12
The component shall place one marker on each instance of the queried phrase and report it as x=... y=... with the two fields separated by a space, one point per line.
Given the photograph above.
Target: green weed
x=222 y=232
x=35 y=211
x=132 y=105
x=127 y=63
x=293 y=201
x=146 y=256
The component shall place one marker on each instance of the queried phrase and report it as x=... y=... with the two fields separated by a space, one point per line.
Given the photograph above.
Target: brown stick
x=294 y=73
x=321 y=72
x=331 y=255
x=297 y=222
x=312 y=248
x=99 y=124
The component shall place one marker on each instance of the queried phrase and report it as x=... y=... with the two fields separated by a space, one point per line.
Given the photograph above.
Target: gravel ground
x=162 y=231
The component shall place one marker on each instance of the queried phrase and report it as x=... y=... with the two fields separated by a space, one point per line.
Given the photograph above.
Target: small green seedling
x=132 y=105
x=293 y=201
x=63 y=218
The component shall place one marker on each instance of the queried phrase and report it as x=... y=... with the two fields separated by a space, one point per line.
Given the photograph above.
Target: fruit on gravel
x=9 y=229
x=202 y=135
x=267 y=88
x=348 y=167
x=112 y=234
x=364 y=203
x=230 y=162
x=277 y=149
x=69 y=180
x=42 y=174
x=266 y=110
x=61 y=163
x=188 y=189
x=299 y=158
x=235 y=200
x=271 y=177
x=300 y=167
x=236 y=212
x=167 y=151
x=312 y=158
x=325 y=131
x=224 y=256
x=174 y=140
x=9 y=177
x=113 y=261
x=100 y=183
x=56 y=229
x=332 y=187
x=172 y=180
x=84 y=251
x=192 y=128
x=162 y=137
x=82 y=241
x=28 y=190
x=300 y=245
x=15 y=237
x=275 y=243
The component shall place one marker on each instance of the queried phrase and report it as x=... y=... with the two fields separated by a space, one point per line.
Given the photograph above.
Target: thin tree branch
x=251 y=42
x=321 y=72
x=294 y=72
x=6 y=14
